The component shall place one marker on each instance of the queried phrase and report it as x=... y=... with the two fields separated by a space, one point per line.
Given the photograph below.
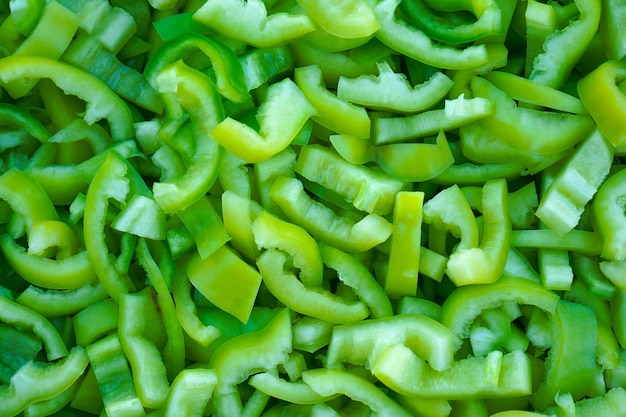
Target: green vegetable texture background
x=340 y=208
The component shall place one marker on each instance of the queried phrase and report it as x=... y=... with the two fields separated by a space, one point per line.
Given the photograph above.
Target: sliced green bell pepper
x=196 y=94
x=282 y=114
x=251 y=23
x=101 y=102
x=319 y=220
x=346 y=19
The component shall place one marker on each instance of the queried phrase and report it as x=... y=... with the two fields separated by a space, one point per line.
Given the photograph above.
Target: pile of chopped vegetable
x=313 y=208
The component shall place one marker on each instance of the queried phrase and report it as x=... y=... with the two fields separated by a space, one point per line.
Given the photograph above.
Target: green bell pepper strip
x=334 y=381
x=577 y=181
x=415 y=162
x=319 y=220
x=540 y=21
x=190 y=393
x=229 y=77
x=347 y=19
x=196 y=94
x=404 y=252
x=448 y=29
x=88 y=53
x=205 y=225
x=53 y=303
x=449 y=210
x=468 y=173
x=296 y=392
x=18 y=315
x=138 y=317
x=270 y=232
x=18 y=348
x=485 y=264
x=331 y=111
x=281 y=115
x=466 y=303
x=606 y=205
x=599 y=90
x=13 y=115
x=26 y=198
x=251 y=23
x=360 y=343
x=532 y=92
x=609 y=403
x=109 y=182
x=375 y=92
x=571 y=363
x=455 y=114
x=49 y=39
x=161 y=272
x=54 y=404
x=355 y=275
x=612 y=28
x=565 y=47
x=114 y=378
x=589 y=243
x=26 y=14
x=560 y=130
x=226 y=280
x=175 y=25
x=96 y=321
x=101 y=102
x=496 y=375
x=311 y=301
x=26 y=388
x=367 y=190
x=187 y=312
x=412 y=42
x=311 y=334
x=234 y=175
x=233 y=363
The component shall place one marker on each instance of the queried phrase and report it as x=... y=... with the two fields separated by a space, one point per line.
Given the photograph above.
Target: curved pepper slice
x=355 y=275
x=452 y=27
x=496 y=375
x=366 y=189
x=68 y=273
x=17 y=315
x=608 y=216
x=344 y=19
x=464 y=304
x=332 y=112
x=26 y=385
x=412 y=42
x=323 y=223
x=12 y=115
x=196 y=94
x=281 y=115
x=486 y=263
x=109 y=182
x=360 y=343
x=233 y=362
x=102 y=102
x=271 y=232
x=563 y=49
x=415 y=162
x=311 y=301
x=392 y=91
x=600 y=93
x=571 y=364
x=248 y=21
x=559 y=131
x=229 y=75
x=60 y=303
x=296 y=392
x=328 y=382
